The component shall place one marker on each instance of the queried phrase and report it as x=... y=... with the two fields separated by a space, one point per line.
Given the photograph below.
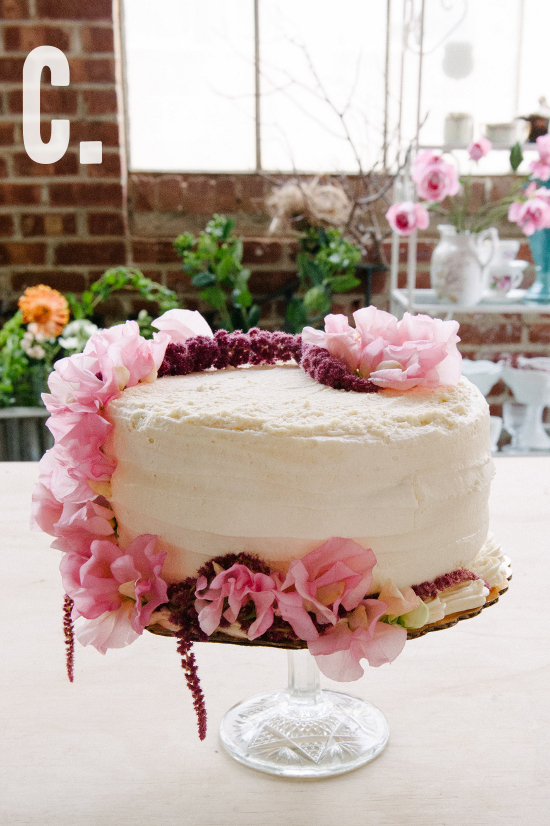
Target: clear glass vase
x=303 y=731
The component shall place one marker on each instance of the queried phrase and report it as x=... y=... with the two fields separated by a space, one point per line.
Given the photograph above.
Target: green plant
x=214 y=262
x=326 y=265
x=120 y=278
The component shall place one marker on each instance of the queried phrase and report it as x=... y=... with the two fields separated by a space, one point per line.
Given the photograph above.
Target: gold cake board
x=447 y=622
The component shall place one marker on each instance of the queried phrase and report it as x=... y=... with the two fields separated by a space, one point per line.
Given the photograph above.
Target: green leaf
x=214 y=296
x=316 y=301
x=254 y=315
x=241 y=298
x=314 y=271
x=296 y=315
x=343 y=283
x=516 y=156
x=203 y=279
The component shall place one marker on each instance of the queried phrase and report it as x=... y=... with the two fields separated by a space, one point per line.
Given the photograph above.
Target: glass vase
x=303 y=731
x=539 y=291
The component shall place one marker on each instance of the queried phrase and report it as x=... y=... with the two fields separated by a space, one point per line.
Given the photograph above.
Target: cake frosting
x=266 y=460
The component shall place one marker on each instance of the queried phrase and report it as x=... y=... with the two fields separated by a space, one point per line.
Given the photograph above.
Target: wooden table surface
x=468 y=708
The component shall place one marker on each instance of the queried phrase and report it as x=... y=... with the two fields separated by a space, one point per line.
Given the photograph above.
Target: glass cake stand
x=303 y=731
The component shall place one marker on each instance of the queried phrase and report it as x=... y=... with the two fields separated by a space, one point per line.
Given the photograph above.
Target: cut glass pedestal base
x=303 y=732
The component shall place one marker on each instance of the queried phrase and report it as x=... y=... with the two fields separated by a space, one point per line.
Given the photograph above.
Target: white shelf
x=426 y=301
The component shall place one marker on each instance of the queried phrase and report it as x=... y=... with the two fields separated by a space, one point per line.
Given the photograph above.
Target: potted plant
x=39 y=334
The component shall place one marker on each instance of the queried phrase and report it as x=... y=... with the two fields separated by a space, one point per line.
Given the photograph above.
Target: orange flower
x=45 y=307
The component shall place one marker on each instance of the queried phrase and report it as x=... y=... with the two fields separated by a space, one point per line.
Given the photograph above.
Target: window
x=321 y=85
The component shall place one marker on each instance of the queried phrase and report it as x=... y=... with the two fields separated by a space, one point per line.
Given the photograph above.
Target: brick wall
x=64 y=224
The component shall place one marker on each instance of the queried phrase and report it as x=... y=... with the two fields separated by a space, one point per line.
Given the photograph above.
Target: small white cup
x=506 y=277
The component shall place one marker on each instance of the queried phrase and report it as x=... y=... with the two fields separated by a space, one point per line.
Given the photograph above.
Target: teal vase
x=539 y=292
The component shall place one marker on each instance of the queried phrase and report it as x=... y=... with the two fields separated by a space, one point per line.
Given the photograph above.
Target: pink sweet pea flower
x=182 y=325
x=541 y=168
x=531 y=215
x=124 y=582
x=238 y=585
x=405 y=217
x=125 y=356
x=339 y=339
x=45 y=510
x=478 y=149
x=543 y=147
x=339 y=650
x=113 y=629
x=75 y=385
x=435 y=179
x=339 y=572
x=416 y=351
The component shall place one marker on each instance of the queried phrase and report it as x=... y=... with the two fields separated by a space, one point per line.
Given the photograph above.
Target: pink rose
x=182 y=325
x=405 y=217
x=238 y=585
x=339 y=572
x=339 y=650
x=531 y=215
x=478 y=149
x=123 y=582
x=435 y=179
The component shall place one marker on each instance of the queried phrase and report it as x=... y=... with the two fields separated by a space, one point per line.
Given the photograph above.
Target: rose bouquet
x=436 y=180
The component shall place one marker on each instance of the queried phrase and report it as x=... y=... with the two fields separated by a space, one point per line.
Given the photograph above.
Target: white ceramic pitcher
x=460 y=262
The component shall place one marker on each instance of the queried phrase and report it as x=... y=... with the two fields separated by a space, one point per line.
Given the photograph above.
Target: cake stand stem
x=303 y=731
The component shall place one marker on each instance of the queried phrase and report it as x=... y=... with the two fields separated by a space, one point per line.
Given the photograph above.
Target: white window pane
x=345 y=42
x=190 y=71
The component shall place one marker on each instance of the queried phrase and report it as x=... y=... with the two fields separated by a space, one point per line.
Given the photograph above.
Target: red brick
x=198 y=195
x=378 y=282
x=540 y=333
x=27 y=38
x=108 y=168
x=252 y=193
x=96 y=39
x=25 y=167
x=153 y=252
x=11 y=69
x=524 y=253
x=108 y=253
x=58 y=280
x=143 y=190
x=56 y=101
x=180 y=282
x=100 y=101
x=50 y=224
x=71 y=10
x=19 y=194
x=262 y=252
x=22 y=253
x=14 y=9
x=3 y=168
x=6 y=225
x=225 y=195
x=92 y=70
x=269 y=280
x=488 y=331
x=105 y=223
x=86 y=194
x=422 y=280
x=6 y=134
x=106 y=132
x=170 y=193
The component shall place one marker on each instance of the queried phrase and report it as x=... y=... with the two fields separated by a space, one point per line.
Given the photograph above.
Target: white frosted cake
x=266 y=460
x=328 y=490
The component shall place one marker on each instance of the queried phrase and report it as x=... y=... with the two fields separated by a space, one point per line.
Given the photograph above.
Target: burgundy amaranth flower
x=229 y=350
x=68 y=632
x=431 y=589
x=189 y=665
x=328 y=370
